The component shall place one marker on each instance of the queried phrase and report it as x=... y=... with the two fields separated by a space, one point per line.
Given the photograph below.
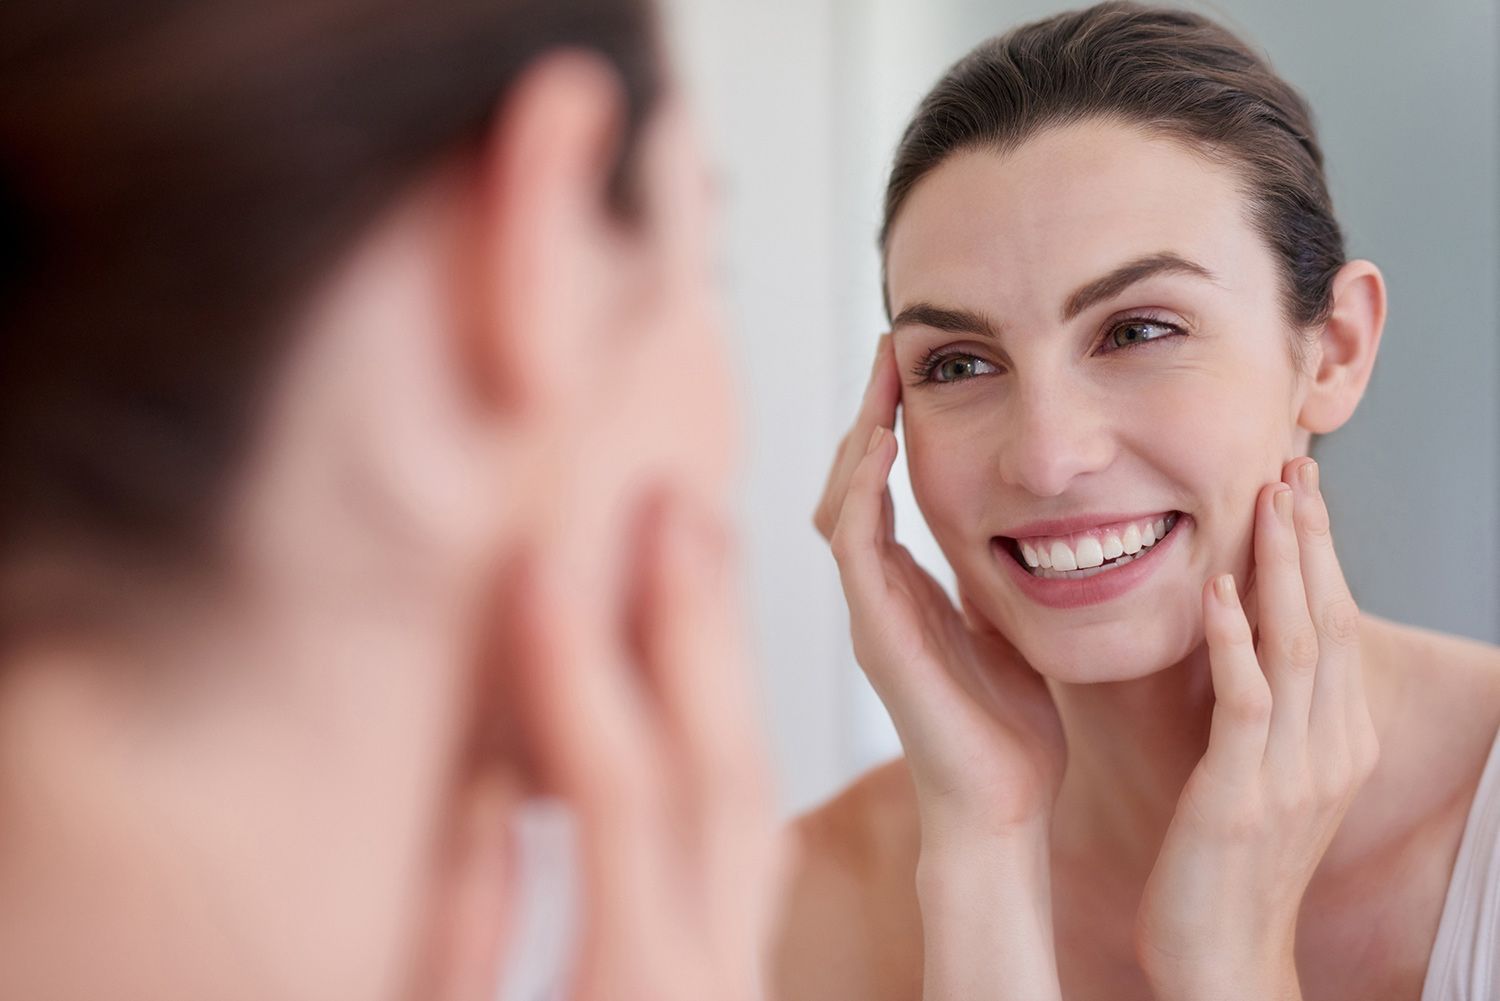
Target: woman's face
x=1090 y=334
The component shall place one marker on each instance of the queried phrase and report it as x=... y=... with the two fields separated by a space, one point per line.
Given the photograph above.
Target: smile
x=1089 y=566
x=1095 y=551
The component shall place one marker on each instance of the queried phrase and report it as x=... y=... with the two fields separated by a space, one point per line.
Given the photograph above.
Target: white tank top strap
x=1465 y=963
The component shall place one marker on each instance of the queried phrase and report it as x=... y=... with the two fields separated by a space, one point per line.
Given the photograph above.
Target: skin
x=1165 y=795
x=476 y=554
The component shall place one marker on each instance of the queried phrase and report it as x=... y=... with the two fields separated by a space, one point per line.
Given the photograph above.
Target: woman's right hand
x=979 y=728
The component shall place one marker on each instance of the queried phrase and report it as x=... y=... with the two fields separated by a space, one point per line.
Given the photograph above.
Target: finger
x=877 y=408
x=1333 y=611
x=586 y=732
x=693 y=649
x=862 y=520
x=1242 y=697
x=693 y=643
x=1288 y=642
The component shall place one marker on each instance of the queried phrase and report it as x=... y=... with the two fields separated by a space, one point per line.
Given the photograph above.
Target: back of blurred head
x=311 y=314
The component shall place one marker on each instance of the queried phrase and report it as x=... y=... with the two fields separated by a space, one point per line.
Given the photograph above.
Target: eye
x=1138 y=330
x=937 y=367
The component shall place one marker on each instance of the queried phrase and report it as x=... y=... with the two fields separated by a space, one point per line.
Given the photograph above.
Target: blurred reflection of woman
x=351 y=491
x=1159 y=753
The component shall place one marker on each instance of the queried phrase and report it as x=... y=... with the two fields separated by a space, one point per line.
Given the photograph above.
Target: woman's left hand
x=1291 y=743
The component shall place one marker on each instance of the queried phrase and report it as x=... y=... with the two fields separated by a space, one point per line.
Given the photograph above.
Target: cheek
x=950 y=470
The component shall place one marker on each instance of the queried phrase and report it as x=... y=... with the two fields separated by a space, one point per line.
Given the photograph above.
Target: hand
x=643 y=729
x=1290 y=745
x=981 y=734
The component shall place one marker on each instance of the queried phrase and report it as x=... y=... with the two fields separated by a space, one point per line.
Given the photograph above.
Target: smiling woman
x=1121 y=311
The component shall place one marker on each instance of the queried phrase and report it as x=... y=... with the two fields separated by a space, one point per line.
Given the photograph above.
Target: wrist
x=986 y=906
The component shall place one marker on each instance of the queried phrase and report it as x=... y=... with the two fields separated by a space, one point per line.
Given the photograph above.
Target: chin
x=1117 y=649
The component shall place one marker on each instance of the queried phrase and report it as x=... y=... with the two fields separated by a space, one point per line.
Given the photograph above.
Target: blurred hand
x=646 y=730
x=1291 y=743
x=981 y=734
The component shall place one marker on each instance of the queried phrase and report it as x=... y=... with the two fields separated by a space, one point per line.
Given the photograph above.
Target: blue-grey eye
x=1133 y=332
x=956 y=368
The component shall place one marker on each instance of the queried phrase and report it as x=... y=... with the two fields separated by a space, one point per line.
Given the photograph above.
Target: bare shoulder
x=1435 y=699
x=1455 y=677
x=849 y=926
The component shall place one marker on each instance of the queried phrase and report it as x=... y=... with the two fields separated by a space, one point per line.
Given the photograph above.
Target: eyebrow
x=954 y=321
x=1121 y=278
x=968 y=321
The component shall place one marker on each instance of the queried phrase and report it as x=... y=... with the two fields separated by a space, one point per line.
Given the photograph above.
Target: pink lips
x=1063 y=593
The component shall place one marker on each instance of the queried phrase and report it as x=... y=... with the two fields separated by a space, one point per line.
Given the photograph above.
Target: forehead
x=1021 y=229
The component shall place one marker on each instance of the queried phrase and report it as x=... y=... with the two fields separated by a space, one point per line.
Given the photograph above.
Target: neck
x=1131 y=747
x=1133 y=744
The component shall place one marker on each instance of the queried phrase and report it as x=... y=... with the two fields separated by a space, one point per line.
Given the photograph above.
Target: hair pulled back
x=1170 y=73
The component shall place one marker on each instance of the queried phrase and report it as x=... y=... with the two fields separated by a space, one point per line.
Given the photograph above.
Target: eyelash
x=937 y=356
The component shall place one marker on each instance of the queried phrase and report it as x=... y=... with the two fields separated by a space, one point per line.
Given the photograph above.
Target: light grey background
x=802 y=102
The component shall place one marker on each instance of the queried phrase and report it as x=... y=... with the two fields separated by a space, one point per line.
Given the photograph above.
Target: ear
x=548 y=245
x=1344 y=355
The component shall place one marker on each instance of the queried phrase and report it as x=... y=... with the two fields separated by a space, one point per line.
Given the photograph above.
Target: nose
x=1052 y=437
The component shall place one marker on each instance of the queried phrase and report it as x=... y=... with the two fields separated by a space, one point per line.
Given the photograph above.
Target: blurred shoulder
x=849 y=926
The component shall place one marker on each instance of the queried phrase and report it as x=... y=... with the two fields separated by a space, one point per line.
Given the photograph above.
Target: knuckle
x=1300 y=649
x=1227 y=631
x=823 y=521
x=1314 y=520
x=1249 y=705
x=1295 y=797
x=1341 y=620
x=1334 y=780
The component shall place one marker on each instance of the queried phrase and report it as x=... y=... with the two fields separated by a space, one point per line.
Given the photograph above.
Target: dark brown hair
x=175 y=178
x=1169 y=72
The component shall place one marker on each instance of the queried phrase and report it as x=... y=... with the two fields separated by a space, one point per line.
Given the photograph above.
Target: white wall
x=803 y=101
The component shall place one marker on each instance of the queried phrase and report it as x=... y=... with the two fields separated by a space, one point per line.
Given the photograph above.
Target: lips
x=1101 y=545
x=1064 y=589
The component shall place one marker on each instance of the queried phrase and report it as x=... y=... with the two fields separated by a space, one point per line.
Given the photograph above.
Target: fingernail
x=1282 y=501
x=1308 y=476
x=876 y=439
x=1224 y=588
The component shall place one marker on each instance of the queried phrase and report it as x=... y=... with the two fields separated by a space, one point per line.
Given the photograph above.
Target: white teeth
x=1090 y=553
x=1113 y=547
x=1058 y=560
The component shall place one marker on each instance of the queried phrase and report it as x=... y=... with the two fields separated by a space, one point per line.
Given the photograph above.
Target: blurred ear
x=550 y=250
x=1344 y=354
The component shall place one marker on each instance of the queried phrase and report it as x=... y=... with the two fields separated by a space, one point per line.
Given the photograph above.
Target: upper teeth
x=1092 y=548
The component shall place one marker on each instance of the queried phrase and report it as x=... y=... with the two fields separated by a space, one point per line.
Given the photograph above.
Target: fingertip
x=1224 y=590
x=1281 y=504
x=1306 y=476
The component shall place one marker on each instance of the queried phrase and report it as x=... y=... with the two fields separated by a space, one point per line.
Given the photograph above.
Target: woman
x=346 y=501
x=1159 y=753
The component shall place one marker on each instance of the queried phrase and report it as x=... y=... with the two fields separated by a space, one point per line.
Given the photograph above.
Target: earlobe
x=1345 y=349
x=539 y=258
